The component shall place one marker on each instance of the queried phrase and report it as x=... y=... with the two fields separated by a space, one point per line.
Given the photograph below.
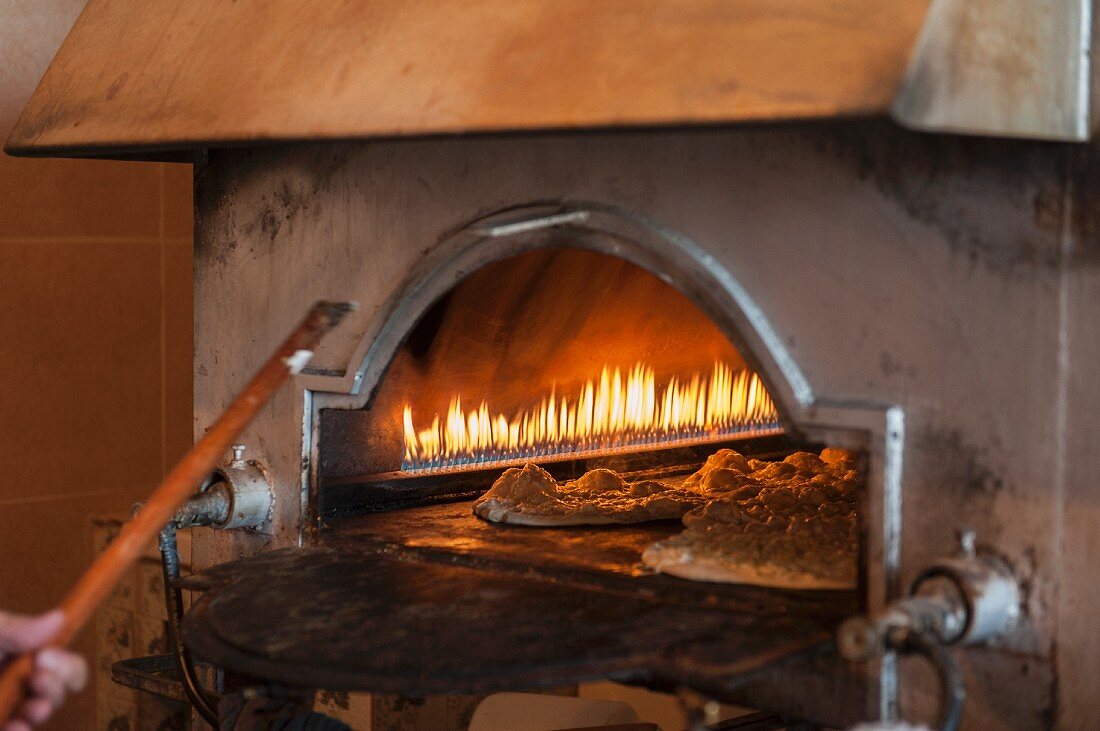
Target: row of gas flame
x=607 y=409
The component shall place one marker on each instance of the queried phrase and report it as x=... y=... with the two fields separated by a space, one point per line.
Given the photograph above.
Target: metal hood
x=141 y=77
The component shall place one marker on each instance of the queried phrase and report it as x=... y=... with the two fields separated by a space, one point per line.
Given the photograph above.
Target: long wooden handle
x=110 y=566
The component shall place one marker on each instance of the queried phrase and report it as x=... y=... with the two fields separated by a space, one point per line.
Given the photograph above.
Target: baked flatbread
x=792 y=524
x=531 y=496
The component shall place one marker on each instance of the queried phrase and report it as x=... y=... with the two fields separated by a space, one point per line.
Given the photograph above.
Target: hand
x=56 y=672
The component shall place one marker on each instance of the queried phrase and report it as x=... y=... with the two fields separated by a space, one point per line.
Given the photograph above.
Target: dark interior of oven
x=543 y=321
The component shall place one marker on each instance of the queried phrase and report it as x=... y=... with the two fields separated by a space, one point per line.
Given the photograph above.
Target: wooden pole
x=180 y=484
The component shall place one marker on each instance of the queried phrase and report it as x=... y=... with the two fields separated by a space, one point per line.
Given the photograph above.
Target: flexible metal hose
x=952 y=688
x=173 y=598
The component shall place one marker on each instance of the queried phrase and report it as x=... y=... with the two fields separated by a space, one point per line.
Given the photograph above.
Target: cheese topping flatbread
x=531 y=496
x=791 y=524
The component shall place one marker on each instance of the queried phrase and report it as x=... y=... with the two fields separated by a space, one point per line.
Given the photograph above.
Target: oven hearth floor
x=607 y=557
x=432 y=600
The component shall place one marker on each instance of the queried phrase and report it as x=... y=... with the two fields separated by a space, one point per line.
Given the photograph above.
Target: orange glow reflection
x=613 y=411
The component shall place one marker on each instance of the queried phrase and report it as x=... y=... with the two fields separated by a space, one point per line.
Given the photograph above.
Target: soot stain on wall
x=960 y=470
x=998 y=203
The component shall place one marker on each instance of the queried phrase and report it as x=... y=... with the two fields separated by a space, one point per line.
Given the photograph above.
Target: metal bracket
x=528 y=224
x=156 y=674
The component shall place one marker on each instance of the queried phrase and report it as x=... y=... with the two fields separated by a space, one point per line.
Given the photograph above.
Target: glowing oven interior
x=555 y=355
x=565 y=358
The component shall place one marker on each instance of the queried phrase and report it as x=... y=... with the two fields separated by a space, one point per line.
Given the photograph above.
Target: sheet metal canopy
x=150 y=75
x=1008 y=68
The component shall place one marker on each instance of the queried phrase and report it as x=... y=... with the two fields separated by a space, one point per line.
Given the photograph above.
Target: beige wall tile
x=61 y=198
x=44 y=547
x=178 y=210
x=80 y=367
x=150 y=590
x=111 y=715
x=65 y=198
x=179 y=348
x=116 y=639
x=150 y=636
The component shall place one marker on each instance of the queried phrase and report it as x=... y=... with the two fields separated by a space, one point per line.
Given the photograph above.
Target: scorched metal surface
x=341 y=619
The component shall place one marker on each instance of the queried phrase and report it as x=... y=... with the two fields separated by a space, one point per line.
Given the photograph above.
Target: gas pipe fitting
x=962 y=599
x=237 y=495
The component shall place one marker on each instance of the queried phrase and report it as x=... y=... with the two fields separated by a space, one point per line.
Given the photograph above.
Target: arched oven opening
x=565 y=358
x=563 y=351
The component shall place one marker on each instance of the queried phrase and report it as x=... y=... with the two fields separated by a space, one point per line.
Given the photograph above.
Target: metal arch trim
x=489 y=239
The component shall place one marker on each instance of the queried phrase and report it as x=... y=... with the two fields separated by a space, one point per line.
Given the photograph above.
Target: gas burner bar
x=628 y=443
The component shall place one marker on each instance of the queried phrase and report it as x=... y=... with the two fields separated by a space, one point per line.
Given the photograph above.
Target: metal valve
x=238 y=495
x=962 y=599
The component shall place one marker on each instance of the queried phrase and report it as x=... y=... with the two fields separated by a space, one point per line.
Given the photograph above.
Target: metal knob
x=859 y=639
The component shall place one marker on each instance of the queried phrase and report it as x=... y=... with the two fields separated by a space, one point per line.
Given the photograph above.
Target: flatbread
x=792 y=524
x=531 y=496
x=675 y=559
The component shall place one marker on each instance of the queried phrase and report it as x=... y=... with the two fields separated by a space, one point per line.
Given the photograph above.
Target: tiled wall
x=133 y=623
x=95 y=337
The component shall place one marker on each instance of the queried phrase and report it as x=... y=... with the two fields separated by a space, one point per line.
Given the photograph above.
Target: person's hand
x=56 y=672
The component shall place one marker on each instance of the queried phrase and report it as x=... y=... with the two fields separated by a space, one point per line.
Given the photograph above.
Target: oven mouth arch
x=675 y=259
x=684 y=265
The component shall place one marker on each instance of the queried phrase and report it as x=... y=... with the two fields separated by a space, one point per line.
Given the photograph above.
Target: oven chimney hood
x=147 y=78
x=142 y=76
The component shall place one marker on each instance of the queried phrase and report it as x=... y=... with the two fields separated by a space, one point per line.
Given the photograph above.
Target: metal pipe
x=210 y=507
x=173 y=599
x=952 y=688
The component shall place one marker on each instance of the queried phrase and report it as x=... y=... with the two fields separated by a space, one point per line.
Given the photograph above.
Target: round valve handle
x=952 y=688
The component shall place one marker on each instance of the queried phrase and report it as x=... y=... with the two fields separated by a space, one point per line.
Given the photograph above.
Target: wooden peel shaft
x=180 y=484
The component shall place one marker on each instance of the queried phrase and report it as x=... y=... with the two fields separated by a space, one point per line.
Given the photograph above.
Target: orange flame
x=615 y=410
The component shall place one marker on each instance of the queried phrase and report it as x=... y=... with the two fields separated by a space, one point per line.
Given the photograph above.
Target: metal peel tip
x=336 y=311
